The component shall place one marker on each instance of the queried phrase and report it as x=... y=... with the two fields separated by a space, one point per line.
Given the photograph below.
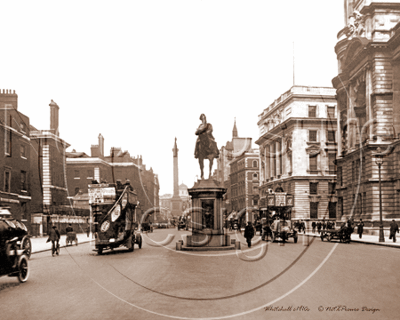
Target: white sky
x=141 y=72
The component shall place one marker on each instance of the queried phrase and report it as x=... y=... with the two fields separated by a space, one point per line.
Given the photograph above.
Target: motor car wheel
x=26 y=245
x=295 y=239
x=23 y=268
x=329 y=237
x=100 y=250
x=140 y=242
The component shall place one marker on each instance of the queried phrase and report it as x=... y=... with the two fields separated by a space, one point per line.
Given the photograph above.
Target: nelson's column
x=176 y=201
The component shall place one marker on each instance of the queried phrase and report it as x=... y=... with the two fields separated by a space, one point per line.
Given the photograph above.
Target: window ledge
x=76 y=178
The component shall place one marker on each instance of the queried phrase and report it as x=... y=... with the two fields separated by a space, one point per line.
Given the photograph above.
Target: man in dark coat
x=249 y=233
x=393 y=229
x=313 y=225
x=319 y=225
x=54 y=237
x=303 y=226
x=360 y=228
x=69 y=228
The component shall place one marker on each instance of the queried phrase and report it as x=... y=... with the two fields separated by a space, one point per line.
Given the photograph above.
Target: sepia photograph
x=199 y=159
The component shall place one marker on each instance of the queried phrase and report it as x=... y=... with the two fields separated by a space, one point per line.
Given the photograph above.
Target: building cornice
x=46 y=134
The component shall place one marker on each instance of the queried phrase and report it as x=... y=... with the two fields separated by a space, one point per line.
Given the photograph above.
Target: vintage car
x=182 y=224
x=343 y=234
x=283 y=229
x=14 y=249
x=113 y=207
x=147 y=227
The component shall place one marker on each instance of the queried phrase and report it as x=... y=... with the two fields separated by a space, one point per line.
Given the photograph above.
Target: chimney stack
x=54 y=108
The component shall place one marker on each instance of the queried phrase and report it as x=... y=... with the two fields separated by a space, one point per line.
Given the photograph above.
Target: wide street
x=294 y=280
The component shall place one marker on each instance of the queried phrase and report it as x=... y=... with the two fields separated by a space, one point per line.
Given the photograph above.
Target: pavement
x=366 y=239
x=39 y=244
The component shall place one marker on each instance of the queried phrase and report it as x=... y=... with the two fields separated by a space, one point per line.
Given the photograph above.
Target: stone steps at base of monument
x=185 y=248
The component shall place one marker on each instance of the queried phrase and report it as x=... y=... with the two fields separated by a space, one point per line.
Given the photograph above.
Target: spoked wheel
x=26 y=245
x=23 y=268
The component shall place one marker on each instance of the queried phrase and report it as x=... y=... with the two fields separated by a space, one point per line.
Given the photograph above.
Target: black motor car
x=15 y=249
x=147 y=226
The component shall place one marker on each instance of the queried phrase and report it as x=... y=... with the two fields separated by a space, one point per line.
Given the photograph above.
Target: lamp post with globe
x=379 y=161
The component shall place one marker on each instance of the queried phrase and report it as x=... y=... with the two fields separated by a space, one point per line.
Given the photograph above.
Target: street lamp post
x=379 y=162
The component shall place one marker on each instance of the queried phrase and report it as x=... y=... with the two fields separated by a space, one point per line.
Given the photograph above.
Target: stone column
x=278 y=162
x=267 y=163
x=396 y=96
x=368 y=92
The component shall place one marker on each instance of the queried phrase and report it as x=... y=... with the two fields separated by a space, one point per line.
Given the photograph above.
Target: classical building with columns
x=368 y=95
x=297 y=139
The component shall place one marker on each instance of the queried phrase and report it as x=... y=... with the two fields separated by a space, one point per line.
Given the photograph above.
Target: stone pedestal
x=207 y=218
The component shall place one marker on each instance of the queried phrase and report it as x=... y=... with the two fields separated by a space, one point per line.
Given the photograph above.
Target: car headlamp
x=105 y=226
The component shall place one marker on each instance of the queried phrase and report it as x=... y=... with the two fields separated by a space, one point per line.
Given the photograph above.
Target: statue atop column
x=206 y=147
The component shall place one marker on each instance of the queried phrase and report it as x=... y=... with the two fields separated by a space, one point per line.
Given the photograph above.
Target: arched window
x=255 y=164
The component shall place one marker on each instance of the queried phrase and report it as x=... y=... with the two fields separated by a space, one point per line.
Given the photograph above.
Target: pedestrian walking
x=323 y=224
x=249 y=233
x=319 y=225
x=54 y=237
x=393 y=229
x=360 y=228
x=303 y=226
x=313 y=225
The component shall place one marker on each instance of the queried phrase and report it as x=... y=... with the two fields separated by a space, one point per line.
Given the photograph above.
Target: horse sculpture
x=206 y=147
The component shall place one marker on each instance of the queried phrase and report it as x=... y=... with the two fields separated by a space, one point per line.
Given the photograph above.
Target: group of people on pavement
x=322 y=225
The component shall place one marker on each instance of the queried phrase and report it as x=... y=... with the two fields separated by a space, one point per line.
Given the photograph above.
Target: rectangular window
x=331 y=136
x=23 y=180
x=332 y=165
x=255 y=202
x=24 y=211
x=330 y=111
x=313 y=210
x=312 y=135
x=313 y=187
x=23 y=127
x=23 y=151
x=90 y=174
x=313 y=163
x=339 y=178
x=7 y=180
x=7 y=143
x=76 y=174
x=331 y=187
x=312 y=111
x=332 y=210
x=340 y=207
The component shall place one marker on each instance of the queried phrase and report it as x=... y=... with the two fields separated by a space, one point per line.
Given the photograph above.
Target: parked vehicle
x=113 y=208
x=343 y=234
x=182 y=225
x=147 y=226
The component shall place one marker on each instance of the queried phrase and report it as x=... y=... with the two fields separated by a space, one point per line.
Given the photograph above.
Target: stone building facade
x=298 y=134
x=244 y=181
x=368 y=93
x=119 y=165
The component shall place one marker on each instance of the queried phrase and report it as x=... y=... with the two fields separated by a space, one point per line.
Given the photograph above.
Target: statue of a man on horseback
x=206 y=147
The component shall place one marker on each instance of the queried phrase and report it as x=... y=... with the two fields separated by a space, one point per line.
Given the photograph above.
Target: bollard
x=179 y=245
x=237 y=245
x=306 y=240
